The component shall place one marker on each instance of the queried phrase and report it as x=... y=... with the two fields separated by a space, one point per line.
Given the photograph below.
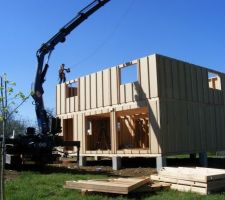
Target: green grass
x=36 y=186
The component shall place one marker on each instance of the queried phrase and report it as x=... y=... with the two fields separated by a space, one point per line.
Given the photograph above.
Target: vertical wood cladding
x=186 y=107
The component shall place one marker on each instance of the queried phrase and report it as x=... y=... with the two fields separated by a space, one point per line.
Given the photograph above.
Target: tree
x=10 y=101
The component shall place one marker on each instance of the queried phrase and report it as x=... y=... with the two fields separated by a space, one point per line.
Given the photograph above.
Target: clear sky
x=123 y=30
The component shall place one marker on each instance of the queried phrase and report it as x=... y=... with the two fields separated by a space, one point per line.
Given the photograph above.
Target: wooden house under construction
x=168 y=107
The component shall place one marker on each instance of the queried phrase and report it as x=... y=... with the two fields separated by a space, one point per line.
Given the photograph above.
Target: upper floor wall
x=145 y=78
x=184 y=81
x=129 y=82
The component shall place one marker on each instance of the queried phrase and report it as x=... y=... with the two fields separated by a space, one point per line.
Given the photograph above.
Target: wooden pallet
x=118 y=186
x=199 y=180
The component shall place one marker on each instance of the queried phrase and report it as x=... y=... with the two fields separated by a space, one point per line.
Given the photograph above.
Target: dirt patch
x=11 y=175
x=130 y=169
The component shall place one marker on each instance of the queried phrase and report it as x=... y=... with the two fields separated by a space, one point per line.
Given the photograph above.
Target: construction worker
x=62 y=76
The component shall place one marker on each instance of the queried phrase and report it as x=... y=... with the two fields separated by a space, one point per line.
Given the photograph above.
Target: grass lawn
x=30 y=185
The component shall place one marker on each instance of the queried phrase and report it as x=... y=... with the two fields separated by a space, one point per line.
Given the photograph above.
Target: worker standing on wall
x=62 y=75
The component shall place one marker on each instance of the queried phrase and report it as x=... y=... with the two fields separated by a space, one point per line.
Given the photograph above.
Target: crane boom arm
x=47 y=48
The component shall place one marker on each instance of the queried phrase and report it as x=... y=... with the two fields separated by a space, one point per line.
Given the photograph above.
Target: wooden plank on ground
x=193 y=174
x=187 y=188
x=177 y=181
x=119 y=185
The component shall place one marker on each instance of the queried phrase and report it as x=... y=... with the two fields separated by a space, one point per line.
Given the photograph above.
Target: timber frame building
x=170 y=107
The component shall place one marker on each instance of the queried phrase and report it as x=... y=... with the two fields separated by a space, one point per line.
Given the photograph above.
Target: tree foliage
x=10 y=101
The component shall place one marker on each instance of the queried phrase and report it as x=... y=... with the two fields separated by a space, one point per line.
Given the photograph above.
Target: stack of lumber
x=118 y=185
x=199 y=180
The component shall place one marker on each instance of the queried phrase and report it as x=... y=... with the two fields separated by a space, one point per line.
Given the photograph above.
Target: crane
x=40 y=146
x=46 y=49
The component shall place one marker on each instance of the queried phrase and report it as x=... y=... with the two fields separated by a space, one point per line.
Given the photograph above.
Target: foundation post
x=97 y=158
x=160 y=162
x=203 y=159
x=82 y=161
x=116 y=163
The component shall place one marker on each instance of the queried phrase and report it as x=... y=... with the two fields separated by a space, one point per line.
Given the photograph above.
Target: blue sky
x=123 y=30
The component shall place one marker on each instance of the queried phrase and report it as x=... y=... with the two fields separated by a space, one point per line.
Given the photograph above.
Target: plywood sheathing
x=185 y=113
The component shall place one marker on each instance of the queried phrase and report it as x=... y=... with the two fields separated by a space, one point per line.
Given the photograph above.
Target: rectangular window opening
x=214 y=81
x=71 y=90
x=128 y=74
x=98 y=132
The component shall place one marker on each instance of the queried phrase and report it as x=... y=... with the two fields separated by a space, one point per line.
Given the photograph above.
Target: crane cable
x=110 y=35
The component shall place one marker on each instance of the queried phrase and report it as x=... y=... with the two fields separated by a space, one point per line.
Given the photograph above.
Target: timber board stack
x=117 y=186
x=199 y=180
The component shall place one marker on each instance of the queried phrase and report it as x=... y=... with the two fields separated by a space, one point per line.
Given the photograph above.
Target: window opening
x=128 y=74
x=72 y=89
x=214 y=81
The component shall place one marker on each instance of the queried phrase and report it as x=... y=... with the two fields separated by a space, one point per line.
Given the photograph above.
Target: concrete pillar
x=160 y=162
x=116 y=163
x=97 y=158
x=82 y=161
x=203 y=159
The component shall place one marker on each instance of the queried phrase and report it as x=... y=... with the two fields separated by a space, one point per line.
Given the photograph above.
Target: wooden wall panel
x=188 y=82
x=202 y=126
x=194 y=83
x=128 y=92
x=82 y=99
x=175 y=79
x=168 y=76
x=222 y=76
x=76 y=103
x=163 y=143
x=58 y=100
x=75 y=127
x=181 y=80
x=205 y=85
x=211 y=95
x=99 y=89
x=199 y=84
x=187 y=117
x=88 y=92
x=197 y=128
x=170 y=128
x=72 y=104
x=222 y=126
x=153 y=78
x=67 y=105
x=114 y=85
x=107 y=87
x=161 y=77
x=136 y=91
x=144 y=76
x=122 y=94
x=154 y=126
x=63 y=98
x=218 y=128
x=93 y=90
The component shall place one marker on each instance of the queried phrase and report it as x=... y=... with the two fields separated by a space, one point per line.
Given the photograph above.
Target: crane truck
x=39 y=146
